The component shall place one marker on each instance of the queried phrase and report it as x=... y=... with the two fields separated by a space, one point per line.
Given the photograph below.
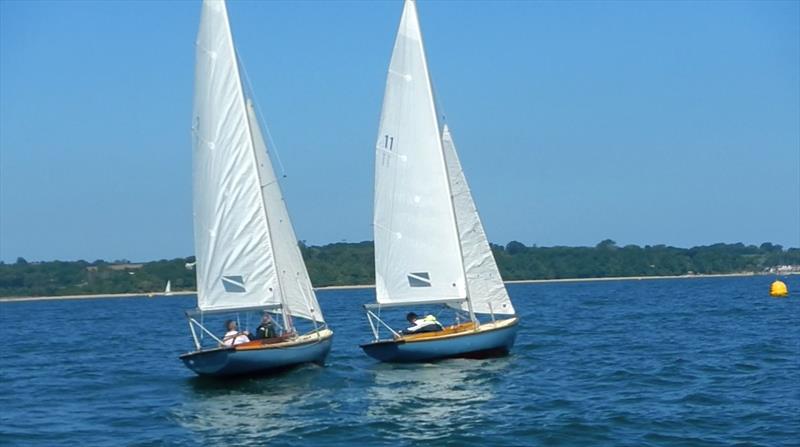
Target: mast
x=287 y=322
x=254 y=159
x=432 y=103
x=460 y=248
x=296 y=291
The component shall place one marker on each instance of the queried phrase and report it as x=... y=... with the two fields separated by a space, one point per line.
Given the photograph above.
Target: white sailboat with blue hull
x=248 y=258
x=430 y=245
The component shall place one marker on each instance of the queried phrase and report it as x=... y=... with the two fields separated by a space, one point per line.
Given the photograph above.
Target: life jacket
x=427 y=324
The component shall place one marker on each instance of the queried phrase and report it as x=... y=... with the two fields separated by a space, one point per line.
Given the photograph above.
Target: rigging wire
x=271 y=146
x=441 y=116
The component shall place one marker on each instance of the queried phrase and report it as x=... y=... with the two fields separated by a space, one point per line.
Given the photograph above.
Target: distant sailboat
x=168 y=288
x=248 y=258
x=430 y=246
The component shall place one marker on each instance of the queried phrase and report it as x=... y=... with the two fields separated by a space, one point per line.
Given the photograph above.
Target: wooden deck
x=284 y=341
x=449 y=330
x=459 y=329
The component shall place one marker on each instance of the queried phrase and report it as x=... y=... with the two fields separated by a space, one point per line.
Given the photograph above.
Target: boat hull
x=255 y=359
x=490 y=340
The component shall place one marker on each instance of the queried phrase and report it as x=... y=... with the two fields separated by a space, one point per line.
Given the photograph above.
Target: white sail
x=294 y=285
x=417 y=253
x=236 y=195
x=485 y=285
x=168 y=288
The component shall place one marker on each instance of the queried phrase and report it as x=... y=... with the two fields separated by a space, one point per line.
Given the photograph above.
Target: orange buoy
x=778 y=289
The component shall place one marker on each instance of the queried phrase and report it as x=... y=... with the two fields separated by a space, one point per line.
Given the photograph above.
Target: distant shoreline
x=372 y=286
x=95 y=296
x=636 y=278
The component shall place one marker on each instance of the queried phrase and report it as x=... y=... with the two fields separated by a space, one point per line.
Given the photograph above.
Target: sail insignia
x=421 y=279
x=233 y=284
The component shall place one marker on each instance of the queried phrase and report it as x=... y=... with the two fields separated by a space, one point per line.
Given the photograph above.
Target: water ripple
x=704 y=362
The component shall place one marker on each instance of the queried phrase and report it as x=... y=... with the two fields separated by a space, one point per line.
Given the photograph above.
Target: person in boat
x=420 y=325
x=233 y=336
x=267 y=328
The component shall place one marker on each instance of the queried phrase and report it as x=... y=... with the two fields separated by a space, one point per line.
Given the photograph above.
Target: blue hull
x=490 y=343
x=225 y=362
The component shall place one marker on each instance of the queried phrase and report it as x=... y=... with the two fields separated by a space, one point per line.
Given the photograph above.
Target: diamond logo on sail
x=421 y=279
x=233 y=284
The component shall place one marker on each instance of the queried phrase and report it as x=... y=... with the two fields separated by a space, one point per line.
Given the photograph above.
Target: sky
x=645 y=122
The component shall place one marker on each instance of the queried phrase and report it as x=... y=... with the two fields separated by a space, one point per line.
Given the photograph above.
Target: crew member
x=420 y=325
x=267 y=328
x=233 y=336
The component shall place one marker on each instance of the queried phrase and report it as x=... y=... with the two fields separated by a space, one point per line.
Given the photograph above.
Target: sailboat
x=430 y=245
x=168 y=288
x=248 y=257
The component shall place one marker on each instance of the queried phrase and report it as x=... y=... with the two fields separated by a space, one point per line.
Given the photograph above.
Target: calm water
x=670 y=362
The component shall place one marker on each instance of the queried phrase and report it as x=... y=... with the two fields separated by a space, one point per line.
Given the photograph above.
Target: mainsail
x=430 y=245
x=486 y=289
x=417 y=251
x=246 y=249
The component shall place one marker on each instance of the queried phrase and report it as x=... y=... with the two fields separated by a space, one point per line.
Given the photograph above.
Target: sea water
x=689 y=362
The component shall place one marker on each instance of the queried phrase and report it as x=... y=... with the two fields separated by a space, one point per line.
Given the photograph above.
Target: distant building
x=116 y=267
x=783 y=269
x=125 y=266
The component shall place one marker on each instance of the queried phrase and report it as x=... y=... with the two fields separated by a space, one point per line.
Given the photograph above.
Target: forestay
x=486 y=289
x=417 y=253
x=236 y=195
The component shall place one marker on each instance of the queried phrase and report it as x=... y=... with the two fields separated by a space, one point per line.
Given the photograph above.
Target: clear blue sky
x=644 y=122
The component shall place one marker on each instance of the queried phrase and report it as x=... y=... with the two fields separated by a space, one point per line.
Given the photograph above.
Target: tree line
x=353 y=264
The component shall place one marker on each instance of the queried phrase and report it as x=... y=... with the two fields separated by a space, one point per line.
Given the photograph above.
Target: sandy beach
x=370 y=286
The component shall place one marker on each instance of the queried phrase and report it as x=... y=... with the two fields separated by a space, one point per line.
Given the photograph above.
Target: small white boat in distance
x=430 y=246
x=168 y=288
x=248 y=257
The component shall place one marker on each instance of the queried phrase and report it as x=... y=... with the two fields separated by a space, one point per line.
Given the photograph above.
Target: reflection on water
x=250 y=408
x=428 y=400
x=669 y=362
